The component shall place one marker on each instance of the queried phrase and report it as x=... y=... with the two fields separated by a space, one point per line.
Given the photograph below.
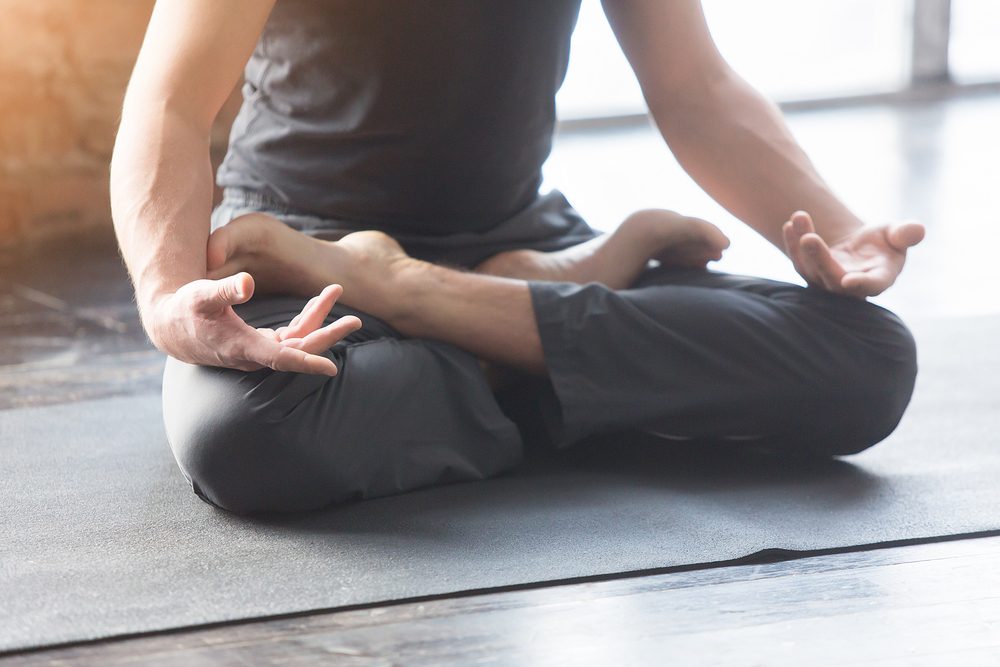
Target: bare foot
x=617 y=259
x=285 y=261
x=280 y=259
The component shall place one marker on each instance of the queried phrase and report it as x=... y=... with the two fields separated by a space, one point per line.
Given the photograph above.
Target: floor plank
x=926 y=604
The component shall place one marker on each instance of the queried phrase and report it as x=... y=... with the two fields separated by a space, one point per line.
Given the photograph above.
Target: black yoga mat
x=101 y=536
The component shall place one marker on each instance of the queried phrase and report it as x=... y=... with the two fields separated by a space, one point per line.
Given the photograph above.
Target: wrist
x=152 y=302
x=834 y=229
x=149 y=307
x=153 y=288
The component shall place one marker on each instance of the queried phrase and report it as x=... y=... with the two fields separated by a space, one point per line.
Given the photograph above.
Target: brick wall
x=64 y=65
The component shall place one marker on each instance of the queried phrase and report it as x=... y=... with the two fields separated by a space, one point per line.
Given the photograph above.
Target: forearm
x=161 y=198
x=161 y=176
x=737 y=147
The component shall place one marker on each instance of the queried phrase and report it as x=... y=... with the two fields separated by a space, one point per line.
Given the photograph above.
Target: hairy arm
x=161 y=175
x=161 y=191
x=735 y=144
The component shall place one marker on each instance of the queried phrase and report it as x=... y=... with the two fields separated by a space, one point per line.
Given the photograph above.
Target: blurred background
x=896 y=101
x=64 y=65
x=793 y=51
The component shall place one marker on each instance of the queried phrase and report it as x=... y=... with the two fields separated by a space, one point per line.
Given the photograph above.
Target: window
x=789 y=49
x=975 y=40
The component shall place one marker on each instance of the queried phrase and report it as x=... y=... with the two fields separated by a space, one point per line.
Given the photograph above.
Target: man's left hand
x=863 y=263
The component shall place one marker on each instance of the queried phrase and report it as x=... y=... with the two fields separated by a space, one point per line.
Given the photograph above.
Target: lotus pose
x=383 y=273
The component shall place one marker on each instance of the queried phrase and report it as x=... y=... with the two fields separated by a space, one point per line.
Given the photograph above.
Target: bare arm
x=735 y=143
x=161 y=188
x=161 y=176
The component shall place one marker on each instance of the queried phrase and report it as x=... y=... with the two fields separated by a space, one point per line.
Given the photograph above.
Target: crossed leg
x=684 y=352
x=487 y=312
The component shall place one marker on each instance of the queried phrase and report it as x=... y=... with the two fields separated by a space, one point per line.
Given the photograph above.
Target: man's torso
x=430 y=116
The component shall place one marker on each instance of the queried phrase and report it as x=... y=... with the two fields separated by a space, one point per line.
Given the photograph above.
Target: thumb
x=903 y=235
x=230 y=291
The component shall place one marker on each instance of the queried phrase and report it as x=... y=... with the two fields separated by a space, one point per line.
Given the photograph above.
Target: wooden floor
x=930 y=604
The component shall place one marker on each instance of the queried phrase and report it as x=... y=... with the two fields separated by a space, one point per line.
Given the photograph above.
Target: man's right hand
x=197 y=324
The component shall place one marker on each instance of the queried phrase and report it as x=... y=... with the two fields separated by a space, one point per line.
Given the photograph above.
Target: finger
x=268 y=333
x=311 y=316
x=802 y=222
x=868 y=283
x=799 y=224
x=828 y=269
x=321 y=340
x=290 y=360
x=314 y=313
x=280 y=357
x=903 y=235
x=226 y=292
x=793 y=248
x=283 y=332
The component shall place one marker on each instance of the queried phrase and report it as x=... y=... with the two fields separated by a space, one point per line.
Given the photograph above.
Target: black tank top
x=423 y=116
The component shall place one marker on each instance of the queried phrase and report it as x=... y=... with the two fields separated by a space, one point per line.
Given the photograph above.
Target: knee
x=237 y=454
x=242 y=464
x=875 y=391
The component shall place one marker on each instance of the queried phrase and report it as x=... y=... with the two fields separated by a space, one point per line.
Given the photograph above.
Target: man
x=388 y=155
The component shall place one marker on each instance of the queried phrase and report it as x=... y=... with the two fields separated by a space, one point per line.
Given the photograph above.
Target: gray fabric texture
x=100 y=535
x=549 y=223
x=684 y=354
x=425 y=116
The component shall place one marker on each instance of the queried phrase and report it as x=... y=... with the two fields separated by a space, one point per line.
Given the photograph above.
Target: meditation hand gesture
x=864 y=263
x=197 y=324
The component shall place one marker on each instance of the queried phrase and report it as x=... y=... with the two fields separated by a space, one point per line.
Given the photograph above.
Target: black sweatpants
x=685 y=354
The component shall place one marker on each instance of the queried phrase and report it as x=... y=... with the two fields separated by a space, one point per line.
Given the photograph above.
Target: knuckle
x=233 y=353
x=200 y=301
x=273 y=360
x=225 y=290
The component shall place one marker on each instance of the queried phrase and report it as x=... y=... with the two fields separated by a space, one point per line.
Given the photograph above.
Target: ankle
x=409 y=290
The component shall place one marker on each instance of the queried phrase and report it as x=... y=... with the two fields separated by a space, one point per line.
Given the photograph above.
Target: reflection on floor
x=929 y=604
x=934 y=162
x=68 y=325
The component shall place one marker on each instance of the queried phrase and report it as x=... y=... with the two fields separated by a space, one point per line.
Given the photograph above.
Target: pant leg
x=400 y=414
x=698 y=354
